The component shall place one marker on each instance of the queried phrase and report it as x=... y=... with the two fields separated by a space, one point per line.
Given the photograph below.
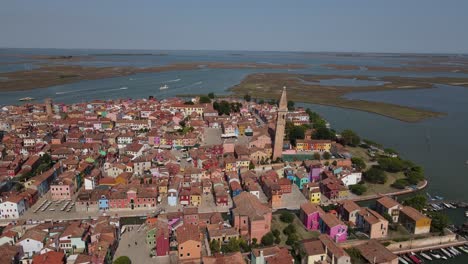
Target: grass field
x=276 y=223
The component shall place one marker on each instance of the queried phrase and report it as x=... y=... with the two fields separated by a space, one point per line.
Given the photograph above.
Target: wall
x=431 y=241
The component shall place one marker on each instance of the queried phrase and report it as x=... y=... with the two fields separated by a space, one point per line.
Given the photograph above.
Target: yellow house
x=414 y=221
x=162 y=188
x=300 y=145
x=343 y=192
x=230 y=164
x=315 y=196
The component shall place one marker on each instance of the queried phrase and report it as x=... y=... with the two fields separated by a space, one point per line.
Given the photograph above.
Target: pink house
x=329 y=224
x=310 y=215
x=62 y=191
x=252 y=219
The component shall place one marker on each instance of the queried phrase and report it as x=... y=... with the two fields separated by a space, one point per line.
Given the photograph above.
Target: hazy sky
x=322 y=25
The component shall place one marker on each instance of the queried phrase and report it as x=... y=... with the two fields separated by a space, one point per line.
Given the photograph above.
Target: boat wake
x=171 y=81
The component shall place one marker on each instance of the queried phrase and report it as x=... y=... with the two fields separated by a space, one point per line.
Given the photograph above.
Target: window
x=188 y=254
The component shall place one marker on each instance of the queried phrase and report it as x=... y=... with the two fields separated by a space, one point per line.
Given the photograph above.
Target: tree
x=418 y=202
x=292 y=238
x=122 y=260
x=290 y=105
x=413 y=177
x=247 y=97
x=375 y=175
x=251 y=166
x=261 y=101
x=211 y=95
x=358 y=163
x=290 y=229
x=400 y=184
x=316 y=156
x=439 y=221
x=215 y=246
x=326 y=155
x=205 y=100
x=334 y=163
x=188 y=103
x=231 y=246
x=254 y=242
x=350 y=138
x=387 y=217
x=268 y=239
x=287 y=217
x=358 y=189
x=276 y=233
x=324 y=133
x=393 y=164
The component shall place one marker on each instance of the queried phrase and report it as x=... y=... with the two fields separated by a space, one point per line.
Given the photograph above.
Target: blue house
x=301 y=178
x=103 y=203
x=289 y=173
x=236 y=188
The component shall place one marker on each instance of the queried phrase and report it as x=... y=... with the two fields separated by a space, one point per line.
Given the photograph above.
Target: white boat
x=463 y=249
x=466 y=213
x=164 y=87
x=446 y=252
x=26 y=99
x=426 y=256
x=403 y=260
x=435 y=255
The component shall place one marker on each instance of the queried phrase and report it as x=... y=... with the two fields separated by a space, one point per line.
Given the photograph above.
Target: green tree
x=247 y=97
x=387 y=217
x=205 y=100
x=122 y=260
x=400 y=184
x=334 y=163
x=287 y=217
x=326 y=155
x=215 y=246
x=276 y=232
x=316 y=156
x=350 y=138
x=251 y=166
x=358 y=163
x=188 y=103
x=375 y=175
x=261 y=101
x=268 y=239
x=292 y=239
x=439 y=221
x=290 y=229
x=393 y=164
x=324 y=133
x=358 y=189
x=291 y=105
x=211 y=95
x=418 y=202
x=231 y=246
x=413 y=177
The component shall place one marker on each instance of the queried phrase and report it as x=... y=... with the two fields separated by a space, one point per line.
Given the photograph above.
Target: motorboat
x=164 y=87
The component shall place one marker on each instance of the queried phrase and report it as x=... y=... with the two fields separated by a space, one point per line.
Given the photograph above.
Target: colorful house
x=189 y=243
x=414 y=221
x=301 y=178
x=372 y=223
x=387 y=205
x=333 y=227
x=310 y=215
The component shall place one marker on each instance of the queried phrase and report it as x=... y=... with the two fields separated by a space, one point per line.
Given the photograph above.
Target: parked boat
x=415 y=259
x=439 y=197
x=446 y=252
x=403 y=261
x=407 y=259
x=455 y=250
x=426 y=256
x=463 y=249
x=435 y=255
x=466 y=213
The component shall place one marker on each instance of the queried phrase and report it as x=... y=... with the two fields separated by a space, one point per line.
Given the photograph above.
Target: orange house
x=189 y=241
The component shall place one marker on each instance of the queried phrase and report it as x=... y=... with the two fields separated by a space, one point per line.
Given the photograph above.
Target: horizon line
x=254 y=50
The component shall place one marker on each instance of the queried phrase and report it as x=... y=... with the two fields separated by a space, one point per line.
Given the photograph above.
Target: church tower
x=280 y=126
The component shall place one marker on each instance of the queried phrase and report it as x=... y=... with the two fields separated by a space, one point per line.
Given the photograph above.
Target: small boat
x=455 y=250
x=407 y=259
x=466 y=213
x=415 y=259
x=403 y=261
x=26 y=99
x=463 y=249
x=424 y=255
x=446 y=252
x=439 y=197
x=451 y=251
x=164 y=87
x=435 y=255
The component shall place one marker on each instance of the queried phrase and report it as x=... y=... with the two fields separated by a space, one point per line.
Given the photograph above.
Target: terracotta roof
x=332 y=247
x=231 y=258
x=388 y=202
x=51 y=257
x=249 y=205
x=313 y=247
x=371 y=216
x=7 y=252
x=331 y=220
x=310 y=208
x=350 y=206
x=412 y=213
x=267 y=251
x=282 y=257
x=186 y=233
x=374 y=252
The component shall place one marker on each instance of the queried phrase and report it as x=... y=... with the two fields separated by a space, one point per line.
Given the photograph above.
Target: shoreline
x=397 y=193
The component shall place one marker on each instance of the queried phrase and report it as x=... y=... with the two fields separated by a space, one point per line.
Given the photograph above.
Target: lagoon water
x=438 y=144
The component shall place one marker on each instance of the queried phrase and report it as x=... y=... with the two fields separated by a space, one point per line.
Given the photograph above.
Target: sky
x=422 y=26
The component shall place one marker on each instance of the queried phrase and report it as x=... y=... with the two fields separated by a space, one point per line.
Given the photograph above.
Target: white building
x=32 y=242
x=13 y=207
x=351 y=178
